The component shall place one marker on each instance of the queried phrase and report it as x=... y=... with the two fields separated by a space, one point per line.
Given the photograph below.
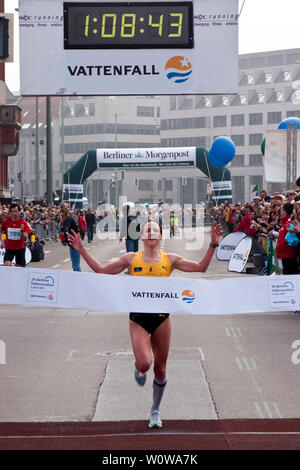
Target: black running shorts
x=149 y=321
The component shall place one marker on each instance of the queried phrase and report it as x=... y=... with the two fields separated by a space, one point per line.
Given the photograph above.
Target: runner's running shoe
x=140 y=377
x=155 y=421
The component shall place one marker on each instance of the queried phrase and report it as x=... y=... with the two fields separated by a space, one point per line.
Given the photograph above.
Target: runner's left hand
x=75 y=240
x=216 y=233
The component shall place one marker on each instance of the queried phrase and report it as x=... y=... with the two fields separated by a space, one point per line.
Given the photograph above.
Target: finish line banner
x=108 y=293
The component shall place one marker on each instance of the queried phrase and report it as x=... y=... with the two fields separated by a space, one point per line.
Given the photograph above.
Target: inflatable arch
x=175 y=158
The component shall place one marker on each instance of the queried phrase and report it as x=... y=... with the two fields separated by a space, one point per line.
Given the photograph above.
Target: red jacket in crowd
x=244 y=226
x=82 y=223
x=283 y=249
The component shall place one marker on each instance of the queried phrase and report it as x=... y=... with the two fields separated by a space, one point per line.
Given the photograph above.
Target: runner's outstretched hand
x=216 y=233
x=75 y=240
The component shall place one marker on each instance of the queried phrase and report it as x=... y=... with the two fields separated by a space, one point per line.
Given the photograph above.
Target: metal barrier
x=48 y=233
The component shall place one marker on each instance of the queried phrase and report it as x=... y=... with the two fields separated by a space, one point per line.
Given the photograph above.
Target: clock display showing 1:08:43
x=128 y=25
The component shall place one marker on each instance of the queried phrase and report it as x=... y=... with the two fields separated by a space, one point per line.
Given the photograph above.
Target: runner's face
x=151 y=233
x=14 y=213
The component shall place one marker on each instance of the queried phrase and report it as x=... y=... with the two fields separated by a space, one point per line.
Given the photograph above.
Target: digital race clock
x=128 y=25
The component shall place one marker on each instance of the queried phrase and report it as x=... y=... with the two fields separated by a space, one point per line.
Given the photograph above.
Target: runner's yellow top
x=140 y=268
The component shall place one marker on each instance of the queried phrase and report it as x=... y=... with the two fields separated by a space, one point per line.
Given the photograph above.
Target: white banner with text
x=108 y=293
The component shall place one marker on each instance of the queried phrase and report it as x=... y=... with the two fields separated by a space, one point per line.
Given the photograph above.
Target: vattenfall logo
x=179 y=69
x=186 y=296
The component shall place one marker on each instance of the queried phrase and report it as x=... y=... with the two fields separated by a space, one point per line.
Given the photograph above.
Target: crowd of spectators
x=275 y=217
x=265 y=217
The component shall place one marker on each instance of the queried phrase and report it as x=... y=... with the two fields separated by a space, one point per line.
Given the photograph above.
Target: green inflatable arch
x=75 y=176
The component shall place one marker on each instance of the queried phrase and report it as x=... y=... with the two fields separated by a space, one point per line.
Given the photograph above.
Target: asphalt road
x=77 y=365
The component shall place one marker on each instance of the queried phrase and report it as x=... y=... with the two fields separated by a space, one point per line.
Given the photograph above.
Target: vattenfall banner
x=128 y=48
x=108 y=293
x=144 y=158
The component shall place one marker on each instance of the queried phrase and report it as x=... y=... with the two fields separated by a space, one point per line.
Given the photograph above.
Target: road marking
x=70 y=355
x=233 y=332
x=66 y=260
x=55 y=266
x=145 y=433
x=268 y=408
x=255 y=383
x=243 y=362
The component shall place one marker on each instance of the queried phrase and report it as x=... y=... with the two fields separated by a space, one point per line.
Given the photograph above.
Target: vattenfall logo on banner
x=186 y=296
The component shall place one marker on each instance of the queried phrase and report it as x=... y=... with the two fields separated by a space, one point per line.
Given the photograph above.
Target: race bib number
x=14 y=233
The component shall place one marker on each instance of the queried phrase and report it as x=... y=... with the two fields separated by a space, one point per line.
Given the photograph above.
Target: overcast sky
x=264 y=25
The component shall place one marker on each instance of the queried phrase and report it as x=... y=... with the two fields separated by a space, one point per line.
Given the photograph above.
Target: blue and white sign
x=283 y=293
x=42 y=287
x=240 y=255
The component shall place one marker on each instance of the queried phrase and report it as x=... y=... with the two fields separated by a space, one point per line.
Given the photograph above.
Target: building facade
x=267 y=94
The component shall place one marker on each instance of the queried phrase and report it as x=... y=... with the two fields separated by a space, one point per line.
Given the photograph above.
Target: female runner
x=150 y=332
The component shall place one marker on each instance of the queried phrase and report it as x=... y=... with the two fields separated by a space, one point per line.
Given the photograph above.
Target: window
x=173 y=103
x=238 y=188
x=185 y=102
x=265 y=77
x=239 y=100
x=295 y=113
x=292 y=58
x=256 y=179
x=238 y=140
x=68 y=111
x=255 y=139
x=185 y=123
x=220 y=121
x=168 y=185
x=185 y=142
x=203 y=102
x=145 y=111
x=145 y=185
x=81 y=110
x=91 y=109
x=275 y=60
x=238 y=160
x=284 y=77
x=255 y=160
x=243 y=64
x=255 y=119
x=274 y=117
x=276 y=97
x=257 y=62
x=221 y=101
x=237 y=120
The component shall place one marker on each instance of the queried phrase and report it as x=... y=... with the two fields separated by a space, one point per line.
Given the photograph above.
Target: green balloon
x=263 y=146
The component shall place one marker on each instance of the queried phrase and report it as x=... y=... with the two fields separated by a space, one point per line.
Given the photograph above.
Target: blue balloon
x=222 y=151
x=214 y=161
x=285 y=122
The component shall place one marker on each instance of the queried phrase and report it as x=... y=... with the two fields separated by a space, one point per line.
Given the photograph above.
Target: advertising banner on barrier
x=228 y=244
x=90 y=291
x=240 y=255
